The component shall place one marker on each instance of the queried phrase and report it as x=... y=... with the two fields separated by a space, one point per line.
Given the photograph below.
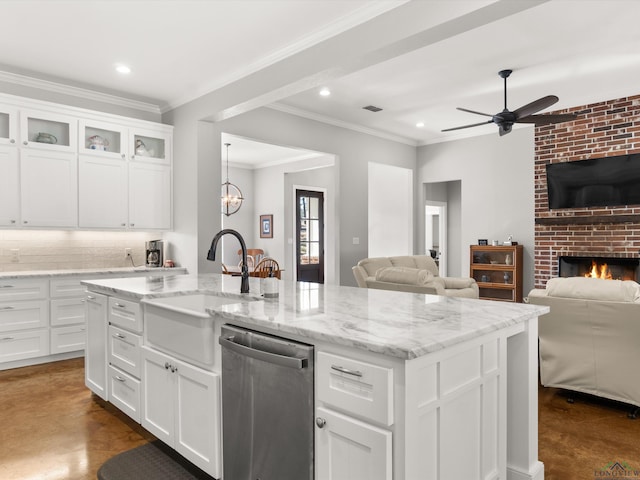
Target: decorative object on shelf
x=141 y=148
x=509 y=241
x=508 y=260
x=266 y=226
x=96 y=142
x=506 y=277
x=483 y=241
x=46 y=138
x=231 y=194
x=496 y=243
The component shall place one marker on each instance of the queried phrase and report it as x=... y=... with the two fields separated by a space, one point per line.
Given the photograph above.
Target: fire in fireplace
x=600 y=267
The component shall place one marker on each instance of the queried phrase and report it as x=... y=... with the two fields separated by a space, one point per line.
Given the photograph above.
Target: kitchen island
x=434 y=399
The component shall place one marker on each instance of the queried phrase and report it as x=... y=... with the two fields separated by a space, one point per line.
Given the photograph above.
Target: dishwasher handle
x=282 y=360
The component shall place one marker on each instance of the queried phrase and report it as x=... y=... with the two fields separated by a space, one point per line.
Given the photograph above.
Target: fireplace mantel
x=587 y=220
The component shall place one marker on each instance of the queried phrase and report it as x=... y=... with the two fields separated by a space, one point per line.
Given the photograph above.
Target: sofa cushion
x=594 y=289
x=372 y=265
x=404 y=275
x=422 y=262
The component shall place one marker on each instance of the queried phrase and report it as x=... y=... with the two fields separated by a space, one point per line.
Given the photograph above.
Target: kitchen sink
x=182 y=327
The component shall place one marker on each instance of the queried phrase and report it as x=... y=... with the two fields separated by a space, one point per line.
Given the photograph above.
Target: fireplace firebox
x=600 y=267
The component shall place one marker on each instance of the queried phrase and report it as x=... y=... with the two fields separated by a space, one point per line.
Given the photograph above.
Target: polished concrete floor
x=52 y=428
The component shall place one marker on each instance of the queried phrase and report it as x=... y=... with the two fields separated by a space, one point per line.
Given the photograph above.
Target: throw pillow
x=404 y=275
x=594 y=289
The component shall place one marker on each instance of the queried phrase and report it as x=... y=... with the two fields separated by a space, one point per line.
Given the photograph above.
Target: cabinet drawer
x=126 y=314
x=68 y=311
x=23 y=315
x=124 y=392
x=22 y=345
x=11 y=290
x=124 y=350
x=357 y=387
x=67 y=288
x=68 y=339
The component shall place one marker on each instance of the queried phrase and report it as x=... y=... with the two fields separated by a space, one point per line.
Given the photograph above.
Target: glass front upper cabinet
x=8 y=126
x=102 y=139
x=48 y=131
x=148 y=145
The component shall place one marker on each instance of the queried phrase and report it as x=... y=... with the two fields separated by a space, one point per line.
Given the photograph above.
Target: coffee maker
x=155 y=253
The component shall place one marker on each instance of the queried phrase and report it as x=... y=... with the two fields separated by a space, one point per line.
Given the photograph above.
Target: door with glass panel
x=310 y=236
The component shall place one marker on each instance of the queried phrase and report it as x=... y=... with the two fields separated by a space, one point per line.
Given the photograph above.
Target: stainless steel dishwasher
x=267 y=405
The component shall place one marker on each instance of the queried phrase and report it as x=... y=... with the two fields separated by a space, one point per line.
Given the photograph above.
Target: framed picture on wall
x=266 y=226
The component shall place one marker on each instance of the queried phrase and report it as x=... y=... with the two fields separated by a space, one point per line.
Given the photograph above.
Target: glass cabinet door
x=149 y=145
x=8 y=125
x=102 y=139
x=49 y=131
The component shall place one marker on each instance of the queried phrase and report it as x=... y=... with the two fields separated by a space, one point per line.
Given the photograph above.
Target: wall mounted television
x=597 y=182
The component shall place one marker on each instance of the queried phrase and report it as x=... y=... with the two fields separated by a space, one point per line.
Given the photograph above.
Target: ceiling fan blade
x=547 y=119
x=535 y=106
x=472 y=111
x=467 y=126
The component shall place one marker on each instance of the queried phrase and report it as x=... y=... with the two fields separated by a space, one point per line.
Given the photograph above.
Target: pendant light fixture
x=231 y=195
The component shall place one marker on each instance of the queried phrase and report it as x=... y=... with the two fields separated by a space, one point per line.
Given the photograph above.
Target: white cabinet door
x=103 y=140
x=150 y=145
x=157 y=395
x=348 y=449
x=49 y=188
x=181 y=406
x=149 y=196
x=8 y=125
x=198 y=426
x=9 y=186
x=103 y=192
x=95 y=368
x=48 y=131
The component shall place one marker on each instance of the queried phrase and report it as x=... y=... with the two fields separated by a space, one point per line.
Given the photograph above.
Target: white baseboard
x=536 y=473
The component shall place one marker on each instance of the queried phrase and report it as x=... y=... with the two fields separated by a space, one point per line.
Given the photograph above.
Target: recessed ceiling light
x=420 y=124
x=122 y=69
x=325 y=92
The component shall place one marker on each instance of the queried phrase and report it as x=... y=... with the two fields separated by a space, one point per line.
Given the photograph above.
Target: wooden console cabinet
x=498 y=271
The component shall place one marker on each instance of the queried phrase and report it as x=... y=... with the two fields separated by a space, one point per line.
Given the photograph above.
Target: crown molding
x=339 y=123
x=26 y=81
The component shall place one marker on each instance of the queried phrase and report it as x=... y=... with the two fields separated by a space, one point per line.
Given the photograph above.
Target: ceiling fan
x=506 y=118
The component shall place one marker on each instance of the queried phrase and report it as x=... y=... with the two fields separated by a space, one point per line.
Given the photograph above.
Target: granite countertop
x=85 y=271
x=396 y=324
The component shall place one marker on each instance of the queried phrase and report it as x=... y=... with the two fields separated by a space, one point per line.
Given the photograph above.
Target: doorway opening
x=435 y=233
x=309 y=236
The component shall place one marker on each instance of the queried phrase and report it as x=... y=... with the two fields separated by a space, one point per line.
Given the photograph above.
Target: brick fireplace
x=603 y=129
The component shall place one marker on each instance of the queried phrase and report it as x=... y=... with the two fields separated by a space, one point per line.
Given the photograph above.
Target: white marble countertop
x=98 y=272
x=396 y=324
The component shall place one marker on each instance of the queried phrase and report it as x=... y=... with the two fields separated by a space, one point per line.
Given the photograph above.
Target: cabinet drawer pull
x=7 y=308
x=119 y=378
x=166 y=365
x=90 y=297
x=6 y=339
x=340 y=369
x=118 y=335
x=119 y=305
x=6 y=286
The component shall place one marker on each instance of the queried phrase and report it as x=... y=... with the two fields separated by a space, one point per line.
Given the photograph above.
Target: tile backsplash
x=22 y=250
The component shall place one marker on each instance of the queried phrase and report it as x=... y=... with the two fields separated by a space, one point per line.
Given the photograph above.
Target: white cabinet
x=95 y=368
x=8 y=125
x=103 y=192
x=126 y=181
x=356 y=406
x=24 y=319
x=348 y=449
x=149 y=196
x=49 y=188
x=67 y=315
x=9 y=186
x=181 y=406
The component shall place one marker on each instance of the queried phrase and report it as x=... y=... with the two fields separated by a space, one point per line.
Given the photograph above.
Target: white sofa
x=411 y=273
x=590 y=340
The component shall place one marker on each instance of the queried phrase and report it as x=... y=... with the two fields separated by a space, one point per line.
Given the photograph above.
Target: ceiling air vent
x=372 y=108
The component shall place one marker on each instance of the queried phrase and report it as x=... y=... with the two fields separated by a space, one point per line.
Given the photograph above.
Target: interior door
x=310 y=236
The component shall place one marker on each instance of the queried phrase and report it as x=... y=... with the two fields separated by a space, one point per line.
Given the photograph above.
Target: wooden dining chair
x=265 y=265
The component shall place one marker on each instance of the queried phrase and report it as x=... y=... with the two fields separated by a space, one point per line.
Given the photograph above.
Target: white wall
x=497 y=199
x=390 y=213
x=243 y=221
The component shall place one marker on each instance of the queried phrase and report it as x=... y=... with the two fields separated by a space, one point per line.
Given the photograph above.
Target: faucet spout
x=244 y=284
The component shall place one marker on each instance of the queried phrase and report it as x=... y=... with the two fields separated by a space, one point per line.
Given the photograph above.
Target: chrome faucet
x=244 y=285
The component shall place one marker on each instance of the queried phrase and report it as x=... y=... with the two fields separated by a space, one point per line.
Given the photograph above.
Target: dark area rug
x=152 y=461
